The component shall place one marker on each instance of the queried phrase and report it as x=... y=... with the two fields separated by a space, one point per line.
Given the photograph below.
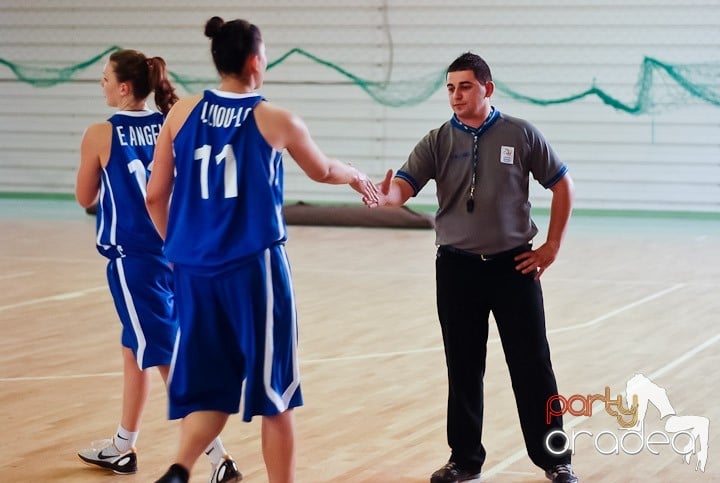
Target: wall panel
x=368 y=81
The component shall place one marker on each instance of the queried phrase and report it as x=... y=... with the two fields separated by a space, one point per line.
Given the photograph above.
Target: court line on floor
x=613 y=313
x=71 y=295
x=301 y=270
x=376 y=355
x=583 y=325
x=518 y=455
x=53 y=298
x=15 y=275
x=59 y=378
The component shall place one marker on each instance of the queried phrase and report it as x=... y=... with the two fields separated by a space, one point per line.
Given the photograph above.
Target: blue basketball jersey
x=123 y=223
x=228 y=194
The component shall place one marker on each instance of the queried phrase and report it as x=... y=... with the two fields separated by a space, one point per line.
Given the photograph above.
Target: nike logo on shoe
x=106 y=457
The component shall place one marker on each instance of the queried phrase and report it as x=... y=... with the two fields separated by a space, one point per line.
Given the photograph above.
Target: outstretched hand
x=382 y=191
x=364 y=185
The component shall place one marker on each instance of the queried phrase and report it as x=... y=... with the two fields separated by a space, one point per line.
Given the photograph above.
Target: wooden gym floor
x=627 y=296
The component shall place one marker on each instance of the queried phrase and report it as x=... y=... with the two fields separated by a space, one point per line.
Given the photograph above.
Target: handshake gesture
x=373 y=195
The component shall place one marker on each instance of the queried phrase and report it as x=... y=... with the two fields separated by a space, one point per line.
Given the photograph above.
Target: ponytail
x=165 y=95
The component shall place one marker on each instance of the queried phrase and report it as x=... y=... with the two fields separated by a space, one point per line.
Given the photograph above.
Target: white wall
x=664 y=158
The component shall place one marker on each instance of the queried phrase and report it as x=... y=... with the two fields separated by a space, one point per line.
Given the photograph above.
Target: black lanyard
x=475 y=132
x=470 y=204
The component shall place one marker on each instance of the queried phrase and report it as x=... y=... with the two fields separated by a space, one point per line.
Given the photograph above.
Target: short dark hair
x=473 y=62
x=232 y=44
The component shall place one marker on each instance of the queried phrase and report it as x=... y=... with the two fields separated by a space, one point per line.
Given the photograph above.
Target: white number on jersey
x=227 y=155
x=137 y=168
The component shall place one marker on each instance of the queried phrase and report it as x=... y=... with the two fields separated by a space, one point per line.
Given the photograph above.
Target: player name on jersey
x=215 y=115
x=138 y=135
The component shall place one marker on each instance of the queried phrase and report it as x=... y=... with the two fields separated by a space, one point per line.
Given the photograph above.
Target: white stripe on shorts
x=140 y=354
x=280 y=401
x=174 y=357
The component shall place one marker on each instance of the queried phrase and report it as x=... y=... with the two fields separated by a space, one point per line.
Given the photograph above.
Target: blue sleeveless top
x=228 y=195
x=123 y=223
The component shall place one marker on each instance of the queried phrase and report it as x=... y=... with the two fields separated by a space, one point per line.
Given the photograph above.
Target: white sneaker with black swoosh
x=226 y=471
x=105 y=455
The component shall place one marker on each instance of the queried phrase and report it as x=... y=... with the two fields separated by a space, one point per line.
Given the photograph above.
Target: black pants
x=468 y=289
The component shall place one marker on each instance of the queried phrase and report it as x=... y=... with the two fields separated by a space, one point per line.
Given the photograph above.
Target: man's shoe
x=452 y=473
x=175 y=474
x=225 y=472
x=105 y=455
x=561 y=474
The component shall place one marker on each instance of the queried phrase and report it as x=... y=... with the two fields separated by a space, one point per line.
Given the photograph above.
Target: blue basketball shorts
x=142 y=289
x=238 y=338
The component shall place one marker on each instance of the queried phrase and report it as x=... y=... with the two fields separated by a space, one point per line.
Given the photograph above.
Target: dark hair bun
x=213 y=26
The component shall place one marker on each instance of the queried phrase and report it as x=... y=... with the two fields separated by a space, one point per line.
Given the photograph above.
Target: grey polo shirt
x=508 y=151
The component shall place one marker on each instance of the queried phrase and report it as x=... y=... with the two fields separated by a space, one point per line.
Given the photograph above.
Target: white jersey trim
x=234 y=95
x=146 y=111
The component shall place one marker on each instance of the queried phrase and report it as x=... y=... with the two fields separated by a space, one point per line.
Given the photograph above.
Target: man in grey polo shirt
x=481 y=161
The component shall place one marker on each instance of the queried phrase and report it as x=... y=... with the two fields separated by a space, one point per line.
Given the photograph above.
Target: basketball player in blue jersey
x=115 y=164
x=225 y=233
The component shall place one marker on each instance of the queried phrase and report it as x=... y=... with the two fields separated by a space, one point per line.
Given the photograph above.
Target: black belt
x=486 y=258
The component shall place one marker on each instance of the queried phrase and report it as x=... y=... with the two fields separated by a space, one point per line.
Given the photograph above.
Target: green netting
x=49 y=76
x=394 y=93
x=659 y=85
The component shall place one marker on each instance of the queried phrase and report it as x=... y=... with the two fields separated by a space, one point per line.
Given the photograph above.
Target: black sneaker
x=561 y=474
x=105 y=455
x=175 y=474
x=452 y=473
